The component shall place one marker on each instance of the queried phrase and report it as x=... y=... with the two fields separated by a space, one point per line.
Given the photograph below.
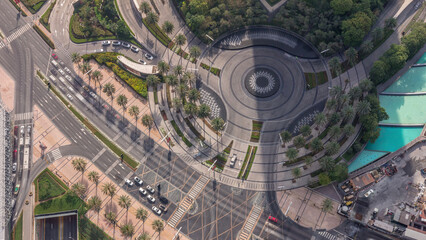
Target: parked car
x=54 y=56
x=150 y=189
x=93 y=95
x=151 y=198
x=233 y=160
x=16 y=190
x=367 y=194
x=28 y=129
x=164 y=200
x=142 y=191
x=134 y=49
x=106 y=43
x=116 y=43
x=61 y=71
x=14 y=167
x=22 y=130
x=53 y=71
x=272 y=219
x=70 y=97
x=149 y=56
x=163 y=208
x=67 y=70
x=128 y=182
x=124 y=44
x=68 y=78
x=138 y=181
x=156 y=210
x=141 y=61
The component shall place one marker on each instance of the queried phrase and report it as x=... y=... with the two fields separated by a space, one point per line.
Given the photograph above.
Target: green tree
x=340 y=172
x=180 y=39
x=334 y=132
x=355 y=28
x=172 y=80
x=320 y=120
x=299 y=141
x=327 y=163
x=123 y=31
x=151 y=18
x=148 y=122
x=145 y=7
x=218 y=124
x=348 y=113
x=163 y=67
x=390 y=23
x=109 y=90
x=111 y=217
x=286 y=136
x=80 y=165
x=190 y=108
x=416 y=39
x=341 y=7
x=142 y=215
x=134 y=112
x=316 y=145
x=348 y=130
x=309 y=160
x=335 y=66
x=94 y=178
x=366 y=85
x=193 y=95
x=109 y=189
x=144 y=236
x=127 y=230
x=395 y=57
x=332 y=148
x=168 y=27
x=189 y=77
x=324 y=179
x=203 y=113
x=97 y=76
x=363 y=108
x=177 y=103
x=95 y=204
x=292 y=154
x=195 y=52
x=125 y=202
x=305 y=130
x=178 y=71
x=158 y=226
x=296 y=172
x=379 y=72
x=327 y=205
x=79 y=189
x=152 y=81
x=355 y=93
x=122 y=102
x=76 y=58
x=352 y=56
x=182 y=90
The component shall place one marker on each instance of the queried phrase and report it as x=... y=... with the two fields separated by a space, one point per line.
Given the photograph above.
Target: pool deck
x=373 y=165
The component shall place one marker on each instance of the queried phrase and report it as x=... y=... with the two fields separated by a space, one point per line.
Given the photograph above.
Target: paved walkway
x=273 y=8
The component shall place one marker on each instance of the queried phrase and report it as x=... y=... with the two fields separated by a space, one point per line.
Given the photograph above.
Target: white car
x=233 y=160
x=134 y=49
x=70 y=97
x=106 y=43
x=67 y=70
x=142 y=191
x=61 y=71
x=149 y=56
x=124 y=44
x=14 y=166
x=151 y=198
x=22 y=130
x=150 y=189
x=68 y=78
x=116 y=43
x=128 y=182
x=138 y=181
x=141 y=62
x=29 y=129
x=93 y=95
x=367 y=194
x=156 y=210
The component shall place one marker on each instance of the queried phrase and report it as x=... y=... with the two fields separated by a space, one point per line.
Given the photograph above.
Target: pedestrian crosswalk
x=16 y=34
x=56 y=154
x=187 y=201
x=327 y=235
x=250 y=223
x=23 y=116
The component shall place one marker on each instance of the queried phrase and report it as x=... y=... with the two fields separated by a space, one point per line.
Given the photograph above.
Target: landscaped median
x=179 y=132
x=111 y=145
x=45 y=18
x=44 y=37
x=220 y=160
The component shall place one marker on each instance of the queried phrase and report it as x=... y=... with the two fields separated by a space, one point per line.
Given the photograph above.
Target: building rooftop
x=362 y=181
x=137 y=68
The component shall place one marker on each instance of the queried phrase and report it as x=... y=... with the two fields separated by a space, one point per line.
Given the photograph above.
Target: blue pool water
x=404 y=109
x=422 y=59
x=364 y=158
x=414 y=80
x=390 y=140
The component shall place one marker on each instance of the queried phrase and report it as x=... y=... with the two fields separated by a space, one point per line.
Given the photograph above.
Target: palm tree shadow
x=148 y=143
x=135 y=134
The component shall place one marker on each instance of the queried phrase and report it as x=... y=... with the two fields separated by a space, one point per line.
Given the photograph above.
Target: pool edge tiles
x=364 y=158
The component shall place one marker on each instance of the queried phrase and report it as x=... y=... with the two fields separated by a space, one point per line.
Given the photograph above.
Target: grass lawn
x=252 y=155
x=17 y=232
x=245 y=161
x=255 y=136
x=33 y=5
x=45 y=18
x=48 y=187
x=311 y=81
x=256 y=125
x=88 y=230
x=69 y=201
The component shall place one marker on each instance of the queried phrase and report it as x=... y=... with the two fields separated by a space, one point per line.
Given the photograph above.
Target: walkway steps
x=250 y=223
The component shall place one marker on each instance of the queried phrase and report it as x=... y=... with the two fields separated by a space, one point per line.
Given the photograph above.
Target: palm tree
x=134 y=112
x=163 y=67
x=124 y=201
x=79 y=189
x=355 y=93
x=390 y=23
x=334 y=64
x=151 y=18
x=336 y=92
x=352 y=56
x=218 y=125
x=178 y=70
x=144 y=236
x=148 y=122
x=363 y=108
x=335 y=132
x=182 y=90
x=142 y=214
x=190 y=108
x=299 y=141
x=177 y=103
x=127 y=230
x=95 y=203
x=286 y=137
x=172 y=80
x=109 y=189
x=76 y=58
x=158 y=226
x=94 y=178
x=111 y=217
x=320 y=120
x=308 y=160
x=327 y=205
x=292 y=154
x=180 y=40
x=332 y=148
x=331 y=103
x=367 y=47
x=305 y=130
x=85 y=68
x=97 y=76
x=193 y=95
x=316 y=145
x=203 y=113
x=122 y=102
x=348 y=130
x=109 y=90
x=195 y=52
x=348 y=112
x=168 y=27
x=327 y=163
x=296 y=172
x=145 y=7
x=80 y=165
x=152 y=81
x=190 y=77
x=366 y=85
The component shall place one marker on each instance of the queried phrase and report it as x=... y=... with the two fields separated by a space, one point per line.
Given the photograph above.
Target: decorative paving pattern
x=262 y=82
x=208 y=99
x=307 y=120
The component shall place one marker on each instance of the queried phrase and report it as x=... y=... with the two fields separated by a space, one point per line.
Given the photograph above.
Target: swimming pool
x=390 y=140
x=414 y=80
x=404 y=109
x=422 y=59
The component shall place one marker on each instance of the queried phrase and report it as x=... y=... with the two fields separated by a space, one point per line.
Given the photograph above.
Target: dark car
x=163 y=208
x=164 y=200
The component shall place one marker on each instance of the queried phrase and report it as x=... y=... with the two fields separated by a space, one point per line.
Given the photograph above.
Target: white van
x=52 y=78
x=233 y=160
x=54 y=63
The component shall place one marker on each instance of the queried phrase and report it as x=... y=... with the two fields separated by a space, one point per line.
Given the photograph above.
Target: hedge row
x=245 y=161
x=194 y=130
x=179 y=132
x=253 y=154
x=45 y=38
x=157 y=32
x=45 y=18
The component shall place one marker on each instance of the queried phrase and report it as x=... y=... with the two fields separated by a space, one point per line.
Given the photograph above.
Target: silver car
x=142 y=191
x=134 y=49
x=128 y=182
x=126 y=45
x=151 y=198
x=156 y=210
x=138 y=181
x=150 y=189
x=106 y=43
x=149 y=56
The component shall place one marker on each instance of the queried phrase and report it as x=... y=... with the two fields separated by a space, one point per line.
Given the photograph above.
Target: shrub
x=179 y=132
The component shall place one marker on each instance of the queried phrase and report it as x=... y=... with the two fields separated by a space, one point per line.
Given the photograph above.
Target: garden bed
x=179 y=132
x=252 y=156
x=33 y=5
x=44 y=37
x=45 y=18
x=311 y=79
x=194 y=130
x=245 y=161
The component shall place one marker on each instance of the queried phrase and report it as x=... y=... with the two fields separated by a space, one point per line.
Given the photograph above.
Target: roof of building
x=383 y=225
x=362 y=181
x=414 y=233
x=402 y=217
x=141 y=68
